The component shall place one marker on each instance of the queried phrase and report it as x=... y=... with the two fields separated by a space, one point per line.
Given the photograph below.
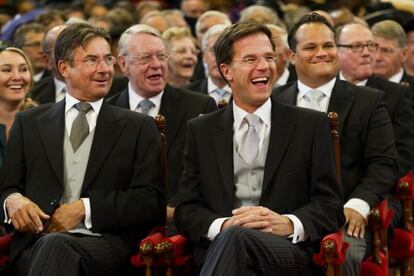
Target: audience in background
x=29 y=37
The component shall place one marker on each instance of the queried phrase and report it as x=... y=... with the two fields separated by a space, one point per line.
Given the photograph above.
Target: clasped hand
x=260 y=218
x=26 y=216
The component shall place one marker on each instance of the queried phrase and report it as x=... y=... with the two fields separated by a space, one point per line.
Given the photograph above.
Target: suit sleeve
x=403 y=124
x=13 y=171
x=143 y=200
x=323 y=214
x=379 y=164
x=192 y=216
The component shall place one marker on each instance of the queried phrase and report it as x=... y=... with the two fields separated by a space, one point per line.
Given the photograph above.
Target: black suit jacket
x=399 y=100
x=299 y=176
x=368 y=154
x=122 y=179
x=198 y=86
x=44 y=91
x=177 y=106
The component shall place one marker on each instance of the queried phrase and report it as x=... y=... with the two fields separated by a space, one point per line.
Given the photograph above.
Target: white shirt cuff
x=359 y=205
x=6 y=216
x=215 y=228
x=299 y=233
x=88 y=220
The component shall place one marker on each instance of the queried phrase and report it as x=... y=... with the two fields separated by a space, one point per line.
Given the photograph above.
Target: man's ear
x=292 y=57
x=63 y=68
x=225 y=70
x=123 y=65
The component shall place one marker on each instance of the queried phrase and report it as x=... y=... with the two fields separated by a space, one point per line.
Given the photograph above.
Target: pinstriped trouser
x=242 y=251
x=68 y=254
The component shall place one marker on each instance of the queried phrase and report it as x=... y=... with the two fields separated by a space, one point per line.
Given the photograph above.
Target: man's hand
x=261 y=218
x=356 y=223
x=25 y=215
x=66 y=217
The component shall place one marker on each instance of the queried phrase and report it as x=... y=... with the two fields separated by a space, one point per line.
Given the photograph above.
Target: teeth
x=260 y=79
x=16 y=86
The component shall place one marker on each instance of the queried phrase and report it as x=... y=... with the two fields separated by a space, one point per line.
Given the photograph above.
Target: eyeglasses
x=147 y=58
x=184 y=50
x=93 y=61
x=252 y=60
x=359 y=47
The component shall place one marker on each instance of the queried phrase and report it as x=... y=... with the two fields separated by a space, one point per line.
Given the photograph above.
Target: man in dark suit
x=53 y=88
x=81 y=178
x=356 y=50
x=214 y=85
x=258 y=176
x=392 y=53
x=143 y=59
x=366 y=134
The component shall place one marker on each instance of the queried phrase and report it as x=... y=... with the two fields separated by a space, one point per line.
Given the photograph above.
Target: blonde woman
x=15 y=81
x=182 y=57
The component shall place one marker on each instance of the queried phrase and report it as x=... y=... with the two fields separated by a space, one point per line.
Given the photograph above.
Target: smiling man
x=368 y=156
x=81 y=178
x=143 y=59
x=258 y=176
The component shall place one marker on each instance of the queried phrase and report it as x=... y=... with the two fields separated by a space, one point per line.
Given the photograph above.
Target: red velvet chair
x=159 y=252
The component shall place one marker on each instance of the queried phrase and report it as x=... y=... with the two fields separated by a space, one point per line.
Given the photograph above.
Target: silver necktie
x=145 y=105
x=80 y=127
x=250 y=147
x=313 y=99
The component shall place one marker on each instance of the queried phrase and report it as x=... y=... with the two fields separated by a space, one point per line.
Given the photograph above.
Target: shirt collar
x=397 y=77
x=211 y=86
x=135 y=98
x=282 y=80
x=59 y=85
x=264 y=112
x=71 y=101
x=326 y=89
x=360 y=83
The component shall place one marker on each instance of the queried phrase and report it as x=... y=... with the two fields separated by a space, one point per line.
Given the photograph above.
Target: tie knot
x=220 y=92
x=252 y=120
x=145 y=105
x=83 y=106
x=314 y=95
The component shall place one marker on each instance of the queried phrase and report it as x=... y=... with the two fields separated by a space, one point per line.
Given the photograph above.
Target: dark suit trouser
x=67 y=254
x=242 y=251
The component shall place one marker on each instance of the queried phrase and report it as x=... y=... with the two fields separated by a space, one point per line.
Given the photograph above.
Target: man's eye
x=249 y=60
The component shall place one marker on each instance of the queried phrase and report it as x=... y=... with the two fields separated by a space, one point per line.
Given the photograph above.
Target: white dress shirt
x=326 y=89
x=240 y=128
x=135 y=99
x=61 y=90
x=282 y=80
x=397 y=77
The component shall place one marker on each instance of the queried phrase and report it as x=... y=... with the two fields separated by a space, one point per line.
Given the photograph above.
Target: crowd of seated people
x=244 y=89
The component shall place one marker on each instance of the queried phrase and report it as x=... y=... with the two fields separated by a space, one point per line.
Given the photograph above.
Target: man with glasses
x=29 y=37
x=81 y=180
x=357 y=51
x=143 y=59
x=392 y=52
x=368 y=170
x=258 y=190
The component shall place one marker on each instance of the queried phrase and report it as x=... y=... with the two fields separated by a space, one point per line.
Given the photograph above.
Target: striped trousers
x=65 y=254
x=243 y=251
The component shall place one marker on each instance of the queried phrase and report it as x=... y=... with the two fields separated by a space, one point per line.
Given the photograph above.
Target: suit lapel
x=108 y=129
x=171 y=111
x=122 y=100
x=341 y=101
x=289 y=96
x=281 y=132
x=52 y=128
x=222 y=134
